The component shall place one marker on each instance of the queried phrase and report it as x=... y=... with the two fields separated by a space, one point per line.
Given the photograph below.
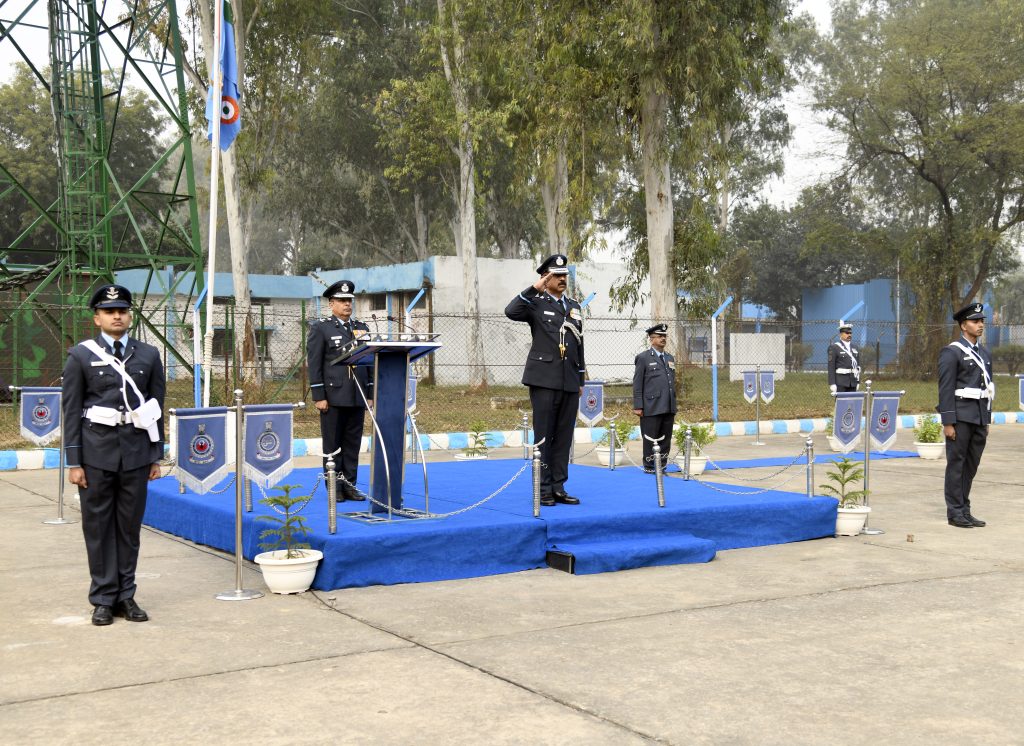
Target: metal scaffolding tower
x=111 y=204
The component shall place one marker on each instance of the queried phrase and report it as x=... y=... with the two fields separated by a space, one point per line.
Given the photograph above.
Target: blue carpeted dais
x=618 y=525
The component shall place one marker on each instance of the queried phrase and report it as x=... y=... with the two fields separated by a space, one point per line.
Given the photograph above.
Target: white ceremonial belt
x=972 y=393
x=844 y=370
x=106 y=416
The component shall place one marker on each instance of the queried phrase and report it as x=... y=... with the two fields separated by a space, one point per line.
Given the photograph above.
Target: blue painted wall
x=874 y=321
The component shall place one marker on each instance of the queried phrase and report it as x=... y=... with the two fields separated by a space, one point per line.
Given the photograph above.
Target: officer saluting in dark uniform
x=843 y=361
x=113 y=440
x=654 y=395
x=966 y=391
x=334 y=386
x=554 y=371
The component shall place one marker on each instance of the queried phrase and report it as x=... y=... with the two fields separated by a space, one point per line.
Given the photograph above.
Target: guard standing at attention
x=966 y=391
x=335 y=387
x=654 y=395
x=554 y=371
x=113 y=397
x=843 y=361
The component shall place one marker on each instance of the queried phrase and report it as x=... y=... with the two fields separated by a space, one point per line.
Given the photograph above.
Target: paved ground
x=911 y=637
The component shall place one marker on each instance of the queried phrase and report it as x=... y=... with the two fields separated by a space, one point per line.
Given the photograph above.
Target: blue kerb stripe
x=596 y=433
x=51 y=458
x=495 y=440
x=299 y=447
x=8 y=460
x=999 y=418
x=780 y=427
x=750 y=428
x=907 y=420
x=425 y=444
x=806 y=426
x=457 y=440
x=723 y=429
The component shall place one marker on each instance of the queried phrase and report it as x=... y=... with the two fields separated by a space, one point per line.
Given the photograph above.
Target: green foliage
x=622 y=431
x=843 y=476
x=702 y=435
x=829 y=427
x=288 y=525
x=476 y=442
x=928 y=429
x=1012 y=356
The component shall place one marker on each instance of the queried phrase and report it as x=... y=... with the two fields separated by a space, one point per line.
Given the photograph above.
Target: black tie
x=117 y=350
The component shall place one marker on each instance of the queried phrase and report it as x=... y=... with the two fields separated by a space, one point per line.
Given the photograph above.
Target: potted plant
x=701 y=436
x=476 y=443
x=928 y=438
x=288 y=564
x=850 y=514
x=622 y=432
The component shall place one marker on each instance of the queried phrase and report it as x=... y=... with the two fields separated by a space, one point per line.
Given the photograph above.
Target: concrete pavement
x=853 y=640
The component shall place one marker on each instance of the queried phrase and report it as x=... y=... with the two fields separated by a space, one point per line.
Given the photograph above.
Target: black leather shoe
x=547 y=500
x=974 y=521
x=130 y=611
x=102 y=616
x=960 y=522
x=566 y=499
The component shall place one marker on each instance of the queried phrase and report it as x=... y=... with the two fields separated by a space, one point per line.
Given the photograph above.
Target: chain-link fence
x=33 y=344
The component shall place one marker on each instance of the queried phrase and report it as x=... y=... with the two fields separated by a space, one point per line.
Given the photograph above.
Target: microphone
x=376 y=329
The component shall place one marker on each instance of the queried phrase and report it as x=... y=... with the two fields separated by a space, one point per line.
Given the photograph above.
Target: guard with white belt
x=113 y=395
x=966 y=391
x=843 y=361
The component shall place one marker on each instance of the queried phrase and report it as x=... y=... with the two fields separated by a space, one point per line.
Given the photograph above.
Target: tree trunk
x=245 y=336
x=466 y=195
x=422 y=226
x=555 y=193
x=658 y=198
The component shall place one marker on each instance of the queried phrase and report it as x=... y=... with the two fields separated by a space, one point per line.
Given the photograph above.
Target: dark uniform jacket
x=654 y=383
x=545 y=366
x=957 y=371
x=838 y=357
x=88 y=381
x=336 y=383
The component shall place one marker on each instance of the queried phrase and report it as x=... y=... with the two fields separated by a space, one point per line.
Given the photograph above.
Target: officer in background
x=654 y=395
x=843 y=361
x=112 y=458
x=966 y=391
x=334 y=387
x=554 y=371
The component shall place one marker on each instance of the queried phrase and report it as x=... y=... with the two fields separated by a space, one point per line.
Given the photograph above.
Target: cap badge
x=559 y=261
x=112 y=293
x=345 y=288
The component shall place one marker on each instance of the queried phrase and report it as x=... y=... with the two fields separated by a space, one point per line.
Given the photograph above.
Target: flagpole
x=211 y=261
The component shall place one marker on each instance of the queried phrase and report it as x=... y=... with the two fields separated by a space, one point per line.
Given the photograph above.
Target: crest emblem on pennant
x=591 y=400
x=41 y=413
x=849 y=422
x=268 y=445
x=883 y=420
x=201 y=448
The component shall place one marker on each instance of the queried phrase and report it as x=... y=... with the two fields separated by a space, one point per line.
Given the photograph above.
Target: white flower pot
x=930 y=451
x=697 y=463
x=288 y=575
x=850 y=521
x=602 y=456
x=470 y=456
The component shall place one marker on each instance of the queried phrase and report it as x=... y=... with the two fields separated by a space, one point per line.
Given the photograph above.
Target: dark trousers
x=554 y=420
x=656 y=426
x=962 y=458
x=343 y=427
x=840 y=389
x=112 y=508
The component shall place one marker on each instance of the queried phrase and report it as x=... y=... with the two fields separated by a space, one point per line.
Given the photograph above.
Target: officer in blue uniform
x=334 y=387
x=654 y=395
x=843 y=361
x=111 y=457
x=966 y=391
x=554 y=371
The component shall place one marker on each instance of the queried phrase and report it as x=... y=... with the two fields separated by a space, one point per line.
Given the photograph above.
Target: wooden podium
x=390 y=354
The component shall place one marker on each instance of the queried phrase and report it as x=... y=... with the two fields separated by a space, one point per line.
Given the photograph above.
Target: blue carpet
x=617 y=526
x=818 y=458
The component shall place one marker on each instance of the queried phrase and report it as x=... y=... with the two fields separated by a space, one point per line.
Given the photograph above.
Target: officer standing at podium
x=654 y=395
x=110 y=458
x=554 y=371
x=843 y=361
x=966 y=391
x=334 y=387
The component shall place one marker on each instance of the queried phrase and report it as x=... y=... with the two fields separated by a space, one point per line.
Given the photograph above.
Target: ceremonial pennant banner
x=201 y=450
x=592 y=403
x=40 y=414
x=750 y=385
x=410 y=400
x=1020 y=390
x=268 y=442
x=767 y=386
x=846 y=423
x=882 y=426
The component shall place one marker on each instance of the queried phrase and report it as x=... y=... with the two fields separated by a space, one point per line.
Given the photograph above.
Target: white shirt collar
x=110 y=340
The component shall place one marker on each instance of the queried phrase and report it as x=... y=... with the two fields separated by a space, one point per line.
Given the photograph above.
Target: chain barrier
x=305 y=502
x=785 y=468
x=716 y=488
x=223 y=489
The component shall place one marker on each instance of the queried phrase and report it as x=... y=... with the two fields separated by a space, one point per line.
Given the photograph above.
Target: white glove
x=832 y=388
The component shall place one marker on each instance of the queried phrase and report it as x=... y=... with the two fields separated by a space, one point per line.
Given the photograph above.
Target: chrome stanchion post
x=611 y=443
x=239 y=593
x=60 y=519
x=809 y=450
x=525 y=425
x=536 y=479
x=867 y=462
x=332 y=496
x=248 y=495
x=659 y=476
x=687 y=451
x=757 y=406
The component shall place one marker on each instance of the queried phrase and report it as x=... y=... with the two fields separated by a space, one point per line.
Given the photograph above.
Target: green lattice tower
x=100 y=221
